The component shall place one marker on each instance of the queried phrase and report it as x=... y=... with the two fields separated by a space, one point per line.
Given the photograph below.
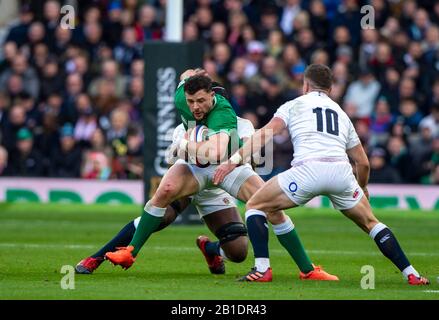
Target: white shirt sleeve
x=245 y=128
x=283 y=112
x=177 y=135
x=353 y=138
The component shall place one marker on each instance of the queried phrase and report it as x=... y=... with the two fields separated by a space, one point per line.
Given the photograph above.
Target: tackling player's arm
x=253 y=145
x=172 y=153
x=362 y=166
x=212 y=150
x=193 y=72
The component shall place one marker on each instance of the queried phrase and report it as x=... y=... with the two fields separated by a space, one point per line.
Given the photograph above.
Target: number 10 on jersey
x=331 y=118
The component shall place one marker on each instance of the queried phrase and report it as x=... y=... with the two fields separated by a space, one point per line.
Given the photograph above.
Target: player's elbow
x=362 y=172
x=364 y=163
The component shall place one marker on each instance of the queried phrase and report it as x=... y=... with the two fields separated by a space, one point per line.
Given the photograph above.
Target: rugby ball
x=199 y=134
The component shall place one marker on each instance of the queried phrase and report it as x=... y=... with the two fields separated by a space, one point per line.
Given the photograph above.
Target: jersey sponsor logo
x=292 y=187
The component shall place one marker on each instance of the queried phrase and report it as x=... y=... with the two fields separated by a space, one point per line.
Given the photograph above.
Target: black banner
x=164 y=62
x=224 y=309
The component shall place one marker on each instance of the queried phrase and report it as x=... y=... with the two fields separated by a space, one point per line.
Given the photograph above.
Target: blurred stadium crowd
x=70 y=100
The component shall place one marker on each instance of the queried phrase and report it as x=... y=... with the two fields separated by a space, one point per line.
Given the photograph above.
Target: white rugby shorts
x=211 y=200
x=231 y=183
x=311 y=178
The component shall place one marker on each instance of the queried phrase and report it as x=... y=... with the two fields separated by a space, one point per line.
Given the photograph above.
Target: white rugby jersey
x=318 y=127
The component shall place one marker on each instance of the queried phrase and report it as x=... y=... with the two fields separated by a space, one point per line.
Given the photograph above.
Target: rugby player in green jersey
x=197 y=104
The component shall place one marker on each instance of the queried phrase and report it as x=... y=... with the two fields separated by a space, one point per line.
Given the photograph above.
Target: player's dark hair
x=319 y=76
x=197 y=83
x=219 y=89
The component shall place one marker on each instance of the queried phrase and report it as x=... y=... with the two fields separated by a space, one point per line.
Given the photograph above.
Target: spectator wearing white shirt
x=431 y=121
x=289 y=13
x=87 y=122
x=362 y=94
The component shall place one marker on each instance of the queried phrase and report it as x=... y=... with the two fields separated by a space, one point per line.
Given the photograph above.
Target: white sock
x=223 y=254
x=284 y=227
x=252 y=212
x=136 y=222
x=262 y=264
x=153 y=210
x=377 y=229
x=410 y=270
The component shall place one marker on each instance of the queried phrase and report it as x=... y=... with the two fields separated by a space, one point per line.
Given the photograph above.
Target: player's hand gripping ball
x=199 y=134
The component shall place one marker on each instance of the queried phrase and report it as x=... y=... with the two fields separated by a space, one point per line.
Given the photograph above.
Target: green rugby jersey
x=221 y=118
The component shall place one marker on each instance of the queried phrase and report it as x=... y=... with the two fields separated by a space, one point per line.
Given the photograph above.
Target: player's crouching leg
x=233 y=241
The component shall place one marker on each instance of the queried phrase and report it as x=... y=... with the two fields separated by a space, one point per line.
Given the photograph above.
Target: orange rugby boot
x=318 y=274
x=122 y=257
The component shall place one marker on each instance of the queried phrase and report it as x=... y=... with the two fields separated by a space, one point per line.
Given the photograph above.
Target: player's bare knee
x=233 y=240
x=166 y=193
x=169 y=188
x=237 y=256
x=236 y=250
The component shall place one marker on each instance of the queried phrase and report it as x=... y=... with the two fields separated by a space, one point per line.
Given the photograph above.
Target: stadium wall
x=70 y=191
x=131 y=192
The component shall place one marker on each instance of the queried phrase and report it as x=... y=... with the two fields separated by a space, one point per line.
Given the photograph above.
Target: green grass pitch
x=37 y=240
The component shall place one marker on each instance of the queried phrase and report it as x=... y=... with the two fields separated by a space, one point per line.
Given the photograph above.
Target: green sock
x=292 y=243
x=147 y=225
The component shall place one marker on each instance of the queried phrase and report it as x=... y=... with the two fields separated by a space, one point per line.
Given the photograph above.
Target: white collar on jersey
x=214 y=102
x=317 y=93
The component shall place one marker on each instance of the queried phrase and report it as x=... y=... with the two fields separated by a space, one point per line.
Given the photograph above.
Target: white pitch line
x=362 y=253
x=431 y=291
x=47 y=246
x=193 y=249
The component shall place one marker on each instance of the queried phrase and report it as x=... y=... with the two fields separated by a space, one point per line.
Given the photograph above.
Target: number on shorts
x=331 y=120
